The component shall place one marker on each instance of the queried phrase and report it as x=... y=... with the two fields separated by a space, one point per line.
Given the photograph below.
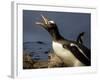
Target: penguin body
x=66 y=55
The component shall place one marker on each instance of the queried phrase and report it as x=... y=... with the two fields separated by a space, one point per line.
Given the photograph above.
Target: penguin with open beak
x=72 y=53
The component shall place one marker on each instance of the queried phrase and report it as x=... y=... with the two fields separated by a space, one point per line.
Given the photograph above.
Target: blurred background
x=69 y=24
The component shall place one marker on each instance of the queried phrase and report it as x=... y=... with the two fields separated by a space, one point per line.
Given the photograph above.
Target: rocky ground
x=53 y=61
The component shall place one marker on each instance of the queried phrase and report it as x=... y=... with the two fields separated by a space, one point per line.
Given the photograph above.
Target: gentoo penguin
x=80 y=38
x=70 y=52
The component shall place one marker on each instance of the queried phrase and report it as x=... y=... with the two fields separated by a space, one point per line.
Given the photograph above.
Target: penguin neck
x=55 y=34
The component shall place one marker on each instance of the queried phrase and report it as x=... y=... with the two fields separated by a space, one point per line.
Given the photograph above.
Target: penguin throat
x=55 y=34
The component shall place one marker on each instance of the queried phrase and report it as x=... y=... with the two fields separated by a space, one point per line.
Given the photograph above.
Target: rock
x=40 y=64
x=54 y=61
x=46 y=52
x=40 y=42
x=27 y=61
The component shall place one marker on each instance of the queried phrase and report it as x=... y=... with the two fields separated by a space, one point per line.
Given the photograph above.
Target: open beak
x=44 y=22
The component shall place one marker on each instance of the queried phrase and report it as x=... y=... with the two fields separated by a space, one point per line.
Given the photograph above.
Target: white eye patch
x=52 y=22
x=72 y=44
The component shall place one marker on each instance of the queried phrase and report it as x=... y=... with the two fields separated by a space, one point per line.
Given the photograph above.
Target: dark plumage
x=79 y=38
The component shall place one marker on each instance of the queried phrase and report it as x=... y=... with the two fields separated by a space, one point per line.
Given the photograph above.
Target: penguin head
x=47 y=24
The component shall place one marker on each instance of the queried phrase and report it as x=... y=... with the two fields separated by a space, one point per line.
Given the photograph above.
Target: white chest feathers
x=66 y=55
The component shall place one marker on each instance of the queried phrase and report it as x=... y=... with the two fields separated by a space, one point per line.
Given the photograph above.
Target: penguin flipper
x=78 y=53
x=79 y=38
